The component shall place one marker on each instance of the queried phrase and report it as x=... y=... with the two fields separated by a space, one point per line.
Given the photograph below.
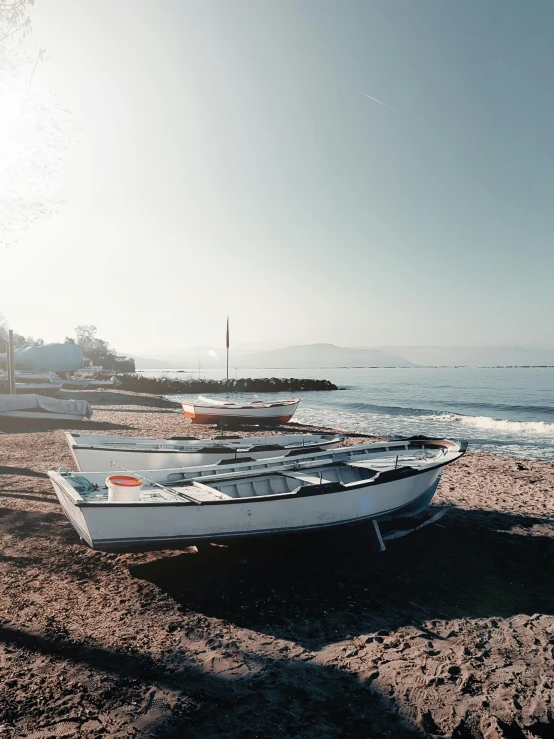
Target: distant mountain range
x=321 y=355
x=294 y=357
x=329 y=355
x=149 y=363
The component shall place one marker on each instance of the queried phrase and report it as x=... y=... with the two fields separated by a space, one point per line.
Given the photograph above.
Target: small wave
x=435 y=414
x=494 y=424
x=427 y=415
x=418 y=415
x=514 y=427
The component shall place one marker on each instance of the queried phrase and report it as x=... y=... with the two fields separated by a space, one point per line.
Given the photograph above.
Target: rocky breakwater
x=168 y=386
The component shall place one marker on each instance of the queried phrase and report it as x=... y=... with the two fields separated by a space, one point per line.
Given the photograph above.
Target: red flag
x=227 y=335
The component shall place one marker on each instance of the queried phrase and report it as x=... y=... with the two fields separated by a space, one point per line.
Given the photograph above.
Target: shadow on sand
x=28 y=496
x=288 y=698
x=21 y=524
x=319 y=589
x=315 y=590
x=23 y=471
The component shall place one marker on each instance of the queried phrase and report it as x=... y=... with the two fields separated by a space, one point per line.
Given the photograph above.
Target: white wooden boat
x=96 y=452
x=75 y=384
x=206 y=410
x=37 y=407
x=112 y=382
x=43 y=383
x=92 y=374
x=301 y=496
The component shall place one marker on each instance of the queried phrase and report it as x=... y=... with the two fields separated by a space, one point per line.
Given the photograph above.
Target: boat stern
x=69 y=500
x=188 y=410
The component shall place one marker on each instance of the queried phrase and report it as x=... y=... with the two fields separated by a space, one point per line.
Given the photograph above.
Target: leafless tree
x=34 y=128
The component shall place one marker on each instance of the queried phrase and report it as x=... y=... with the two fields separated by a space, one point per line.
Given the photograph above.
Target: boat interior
x=341 y=468
x=161 y=485
x=290 y=481
x=379 y=458
x=319 y=479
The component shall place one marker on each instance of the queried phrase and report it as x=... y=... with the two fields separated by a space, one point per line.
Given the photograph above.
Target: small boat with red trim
x=206 y=410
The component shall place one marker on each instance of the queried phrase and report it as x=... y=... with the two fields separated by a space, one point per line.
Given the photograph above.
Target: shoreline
x=448 y=632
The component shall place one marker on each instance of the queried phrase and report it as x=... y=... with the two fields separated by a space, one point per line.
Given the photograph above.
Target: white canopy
x=40 y=402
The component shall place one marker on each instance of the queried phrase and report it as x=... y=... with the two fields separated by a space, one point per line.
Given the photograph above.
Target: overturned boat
x=37 y=407
x=73 y=383
x=136 y=512
x=97 y=452
x=206 y=410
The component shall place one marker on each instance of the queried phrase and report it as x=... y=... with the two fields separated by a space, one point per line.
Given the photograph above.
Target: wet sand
x=449 y=633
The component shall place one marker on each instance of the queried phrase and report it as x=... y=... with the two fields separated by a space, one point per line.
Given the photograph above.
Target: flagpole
x=227 y=344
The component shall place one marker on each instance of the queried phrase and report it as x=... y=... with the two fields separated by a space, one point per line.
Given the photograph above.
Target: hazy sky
x=230 y=161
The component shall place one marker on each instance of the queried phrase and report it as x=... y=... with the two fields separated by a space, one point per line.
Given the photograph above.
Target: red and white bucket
x=123 y=489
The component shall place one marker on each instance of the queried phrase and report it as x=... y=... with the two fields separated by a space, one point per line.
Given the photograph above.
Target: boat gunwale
x=204 y=450
x=313 y=446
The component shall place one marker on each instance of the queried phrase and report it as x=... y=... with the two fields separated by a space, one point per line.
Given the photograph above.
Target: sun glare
x=12 y=125
x=34 y=135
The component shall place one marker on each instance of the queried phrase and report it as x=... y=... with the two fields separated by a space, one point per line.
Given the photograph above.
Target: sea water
x=507 y=411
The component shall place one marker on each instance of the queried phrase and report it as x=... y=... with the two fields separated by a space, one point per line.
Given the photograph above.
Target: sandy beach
x=449 y=633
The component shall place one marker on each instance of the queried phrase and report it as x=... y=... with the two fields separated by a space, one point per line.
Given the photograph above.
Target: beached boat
x=96 y=452
x=75 y=384
x=37 y=407
x=112 y=382
x=302 y=496
x=41 y=383
x=95 y=379
x=206 y=410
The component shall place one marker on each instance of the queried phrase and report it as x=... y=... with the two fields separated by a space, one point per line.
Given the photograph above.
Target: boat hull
x=37 y=415
x=99 y=460
x=97 y=452
x=128 y=526
x=265 y=415
x=238 y=420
